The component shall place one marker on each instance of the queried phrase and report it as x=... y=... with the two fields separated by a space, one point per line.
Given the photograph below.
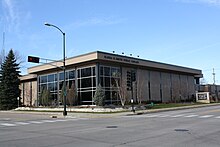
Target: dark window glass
x=54 y=97
x=101 y=70
x=101 y=81
x=51 y=78
x=85 y=72
x=55 y=86
x=94 y=82
x=79 y=81
x=67 y=75
x=86 y=96
x=61 y=76
x=71 y=74
x=51 y=86
x=43 y=79
x=60 y=85
x=107 y=71
x=107 y=95
x=107 y=82
x=78 y=73
x=87 y=82
x=55 y=76
x=93 y=71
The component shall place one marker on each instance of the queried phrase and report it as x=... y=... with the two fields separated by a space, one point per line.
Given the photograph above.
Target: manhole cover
x=112 y=127
x=181 y=130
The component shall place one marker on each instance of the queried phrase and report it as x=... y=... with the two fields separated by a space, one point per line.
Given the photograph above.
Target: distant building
x=214 y=91
x=153 y=81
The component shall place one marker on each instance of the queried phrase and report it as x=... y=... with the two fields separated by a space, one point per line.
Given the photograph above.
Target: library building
x=118 y=75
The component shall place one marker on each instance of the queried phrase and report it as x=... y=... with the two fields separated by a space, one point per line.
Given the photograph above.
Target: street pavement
x=198 y=127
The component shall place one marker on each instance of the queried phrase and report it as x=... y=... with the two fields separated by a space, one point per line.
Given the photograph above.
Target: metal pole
x=132 y=99
x=64 y=72
x=64 y=66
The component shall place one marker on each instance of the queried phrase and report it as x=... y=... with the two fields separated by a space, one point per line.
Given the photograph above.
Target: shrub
x=99 y=97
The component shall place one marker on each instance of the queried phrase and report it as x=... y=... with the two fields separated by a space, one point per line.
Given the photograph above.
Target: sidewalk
x=99 y=112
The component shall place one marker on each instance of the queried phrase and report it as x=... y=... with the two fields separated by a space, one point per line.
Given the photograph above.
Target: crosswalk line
x=22 y=123
x=35 y=122
x=217 y=117
x=61 y=120
x=164 y=116
x=48 y=121
x=206 y=116
x=8 y=124
x=179 y=115
x=152 y=115
x=189 y=116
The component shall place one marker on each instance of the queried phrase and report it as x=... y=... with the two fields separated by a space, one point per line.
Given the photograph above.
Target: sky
x=179 y=32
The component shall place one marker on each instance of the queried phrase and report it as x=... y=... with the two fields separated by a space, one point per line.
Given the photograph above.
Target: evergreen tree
x=99 y=97
x=9 y=82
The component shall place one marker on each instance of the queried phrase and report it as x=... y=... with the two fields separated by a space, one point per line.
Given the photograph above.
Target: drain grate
x=112 y=127
x=181 y=130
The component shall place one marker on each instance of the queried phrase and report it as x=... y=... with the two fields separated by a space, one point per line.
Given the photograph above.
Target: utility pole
x=213 y=76
x=2 y=57
x=215 y=86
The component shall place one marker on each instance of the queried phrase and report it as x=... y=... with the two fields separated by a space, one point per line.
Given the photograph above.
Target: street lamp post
x=64 y=66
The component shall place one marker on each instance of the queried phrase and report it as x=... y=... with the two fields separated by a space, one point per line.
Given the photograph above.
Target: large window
x=86 y=79
x=53 y=83
x=110 y=81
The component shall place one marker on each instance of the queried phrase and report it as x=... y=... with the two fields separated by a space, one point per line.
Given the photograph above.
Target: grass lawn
x=170 y=105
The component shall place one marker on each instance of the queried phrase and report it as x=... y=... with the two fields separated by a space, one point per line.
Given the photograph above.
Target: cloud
x=208 y=2
x=94 y=21
x=13 y=16
x=10 y=16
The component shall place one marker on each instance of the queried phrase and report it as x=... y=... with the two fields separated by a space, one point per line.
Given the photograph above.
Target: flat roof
x=114 y=58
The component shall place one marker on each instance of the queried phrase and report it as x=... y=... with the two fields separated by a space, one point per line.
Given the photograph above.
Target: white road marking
x=206 y=116
x=35 y=122
x=189 y=116
x=8 y=124
x=22 y=123
x=152 y=115
x=57 y=120
x=217 y=117
x=179 y=115
x=164 y=116
x=48 y=121
x=4 y=119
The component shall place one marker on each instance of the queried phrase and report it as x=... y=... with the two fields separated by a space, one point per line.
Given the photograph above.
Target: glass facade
x=110 y=81
x=53 y=83
x=84 y=79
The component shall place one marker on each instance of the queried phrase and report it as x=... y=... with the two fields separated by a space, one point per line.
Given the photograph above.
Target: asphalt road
x=198 y=127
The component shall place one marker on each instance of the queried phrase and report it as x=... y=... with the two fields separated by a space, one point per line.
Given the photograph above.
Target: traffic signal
x=33 y=59
x=129 y=80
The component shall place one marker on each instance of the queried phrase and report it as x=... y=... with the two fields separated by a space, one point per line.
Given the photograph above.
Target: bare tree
x=122 y=88
x=71 y=95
